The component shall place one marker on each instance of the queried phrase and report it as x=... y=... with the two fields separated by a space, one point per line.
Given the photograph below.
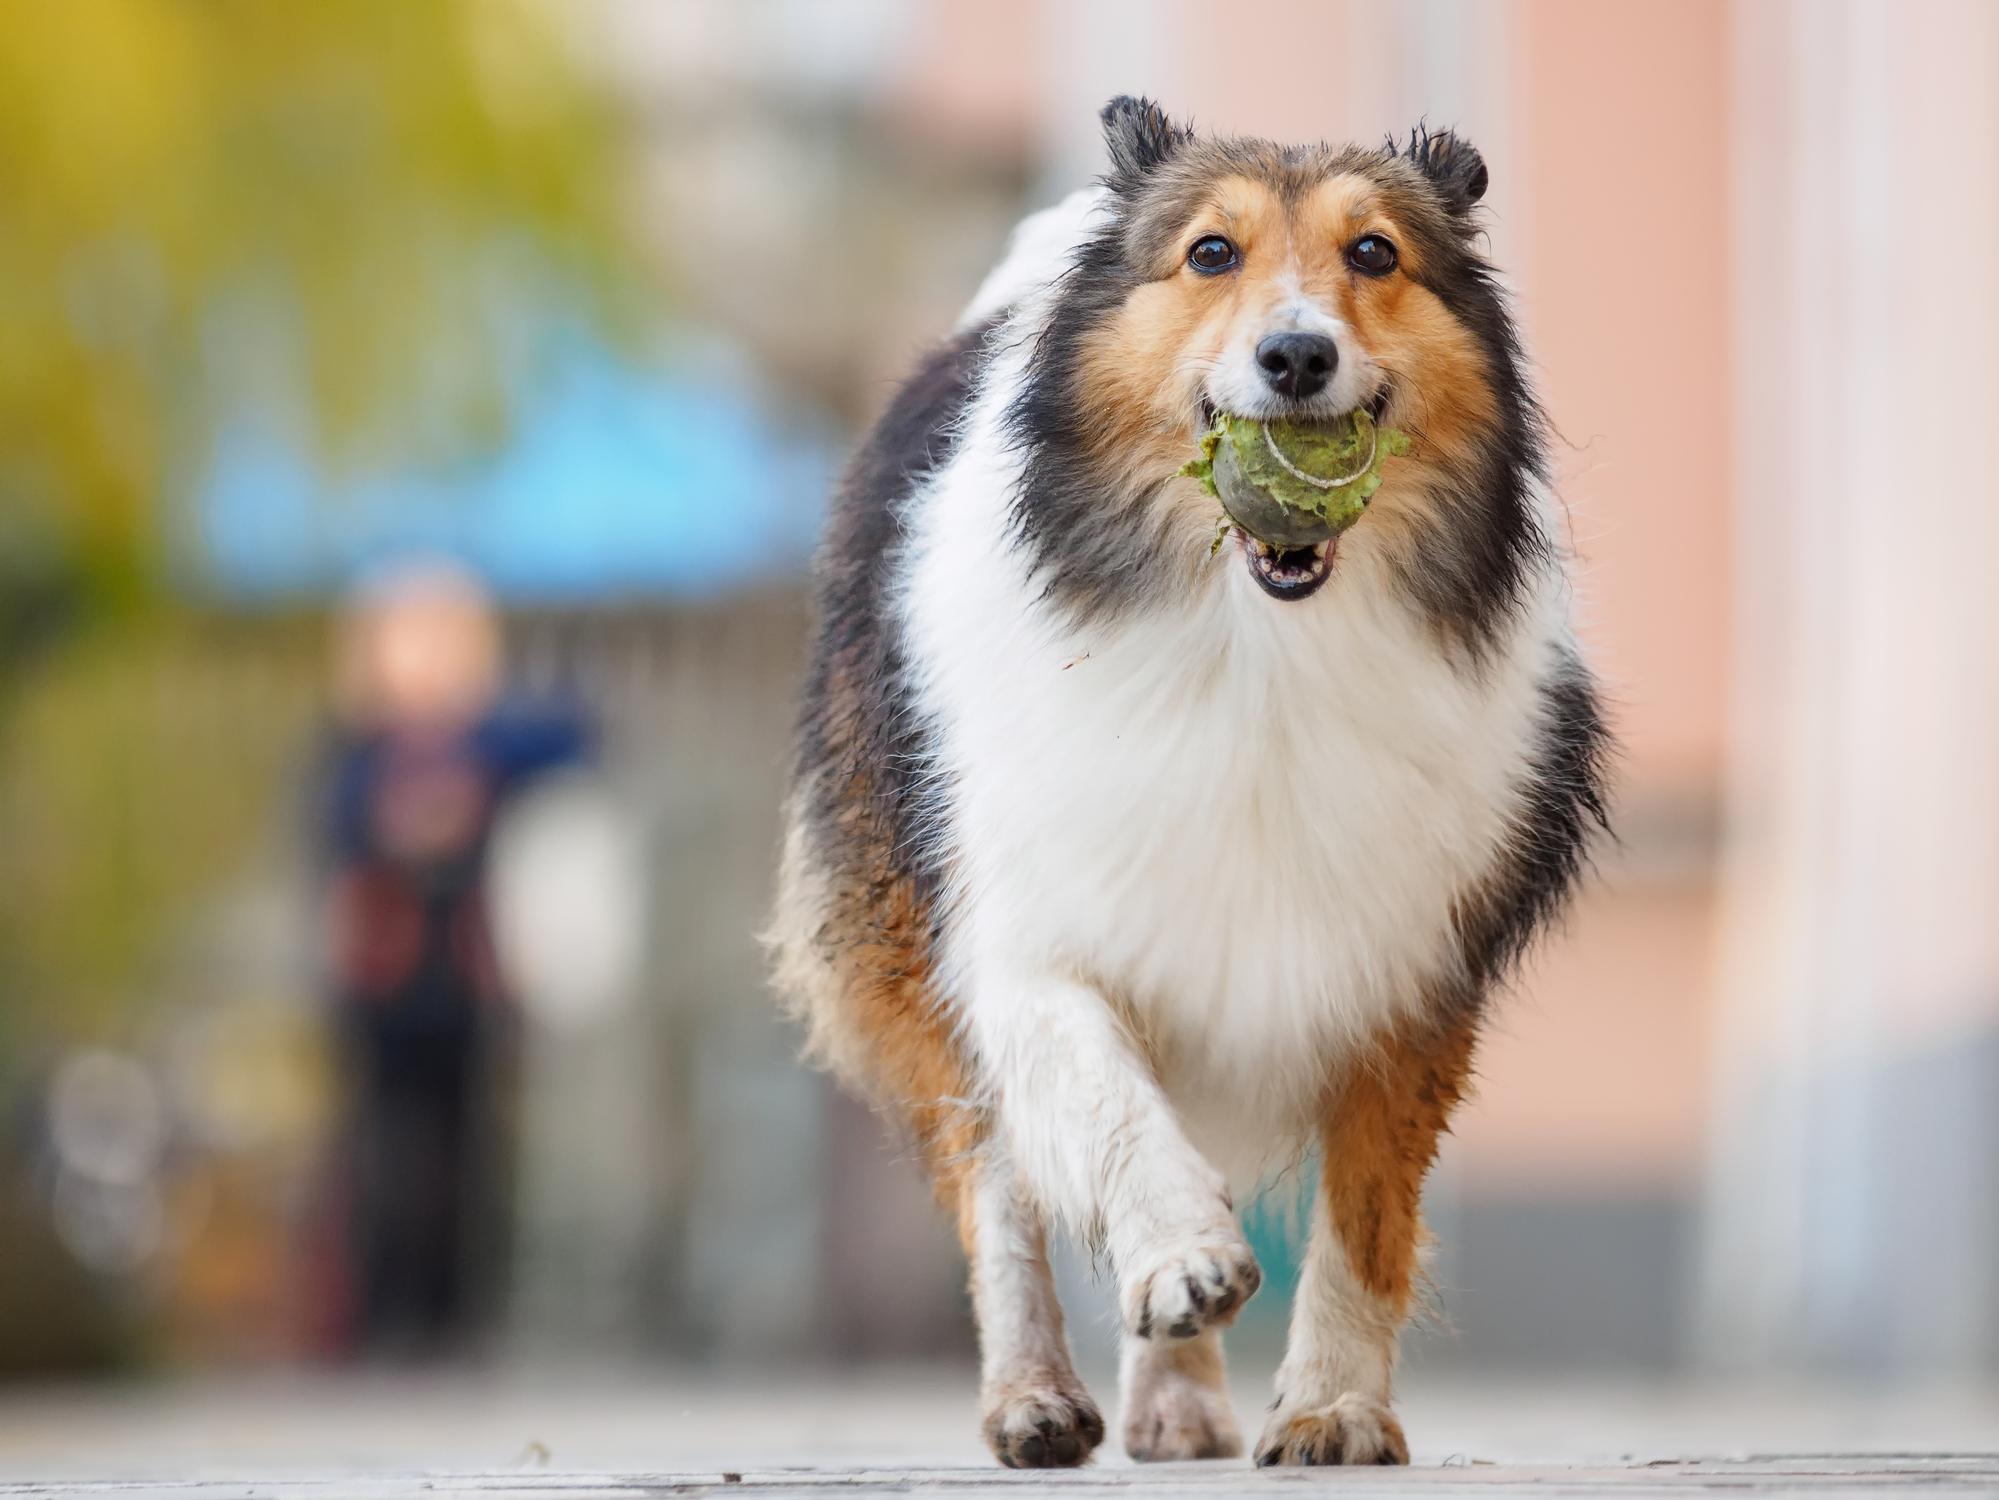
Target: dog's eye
x=1211 y=253
x=1372 y=255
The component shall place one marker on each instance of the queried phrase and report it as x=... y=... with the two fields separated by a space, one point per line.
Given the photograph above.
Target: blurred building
x=1854 y=1167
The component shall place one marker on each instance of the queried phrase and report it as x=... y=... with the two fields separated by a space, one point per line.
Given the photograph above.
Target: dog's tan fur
x=856 y=964
x=1380 y=1132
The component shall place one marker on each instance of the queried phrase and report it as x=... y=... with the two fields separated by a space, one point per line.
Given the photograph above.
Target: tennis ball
x=1294 y=484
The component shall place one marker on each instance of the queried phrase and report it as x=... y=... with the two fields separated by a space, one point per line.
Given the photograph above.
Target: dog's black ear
x=1140 y=137
x=1453 y=165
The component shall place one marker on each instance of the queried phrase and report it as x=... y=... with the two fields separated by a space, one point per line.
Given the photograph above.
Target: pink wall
x=972 y=74
x=1624 y=140
x=1596 y=1074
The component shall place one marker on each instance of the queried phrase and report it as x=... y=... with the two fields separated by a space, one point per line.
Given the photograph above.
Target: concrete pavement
x=547 y=1434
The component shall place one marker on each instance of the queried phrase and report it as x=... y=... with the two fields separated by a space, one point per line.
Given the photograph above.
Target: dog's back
x=855 y=918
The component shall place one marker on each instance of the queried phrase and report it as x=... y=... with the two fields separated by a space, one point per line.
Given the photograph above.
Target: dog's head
x=1268 y=281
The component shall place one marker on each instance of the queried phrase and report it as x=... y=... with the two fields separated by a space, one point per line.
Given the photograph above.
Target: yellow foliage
x=142 y=773
x=354 y=158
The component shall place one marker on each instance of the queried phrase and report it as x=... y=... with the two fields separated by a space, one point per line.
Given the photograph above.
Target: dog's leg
x=1176 y=1399
x=1036 y=1413
x=1380 y=1135
x=1095 y=1139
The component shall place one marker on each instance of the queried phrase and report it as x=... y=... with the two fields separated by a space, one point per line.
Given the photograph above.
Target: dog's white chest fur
x=1245 y=821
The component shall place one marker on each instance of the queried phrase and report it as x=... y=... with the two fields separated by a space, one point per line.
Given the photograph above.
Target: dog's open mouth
x=1289 y=573
x=1296 y=564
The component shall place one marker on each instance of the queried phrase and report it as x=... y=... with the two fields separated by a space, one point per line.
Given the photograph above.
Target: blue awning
x=616 y=483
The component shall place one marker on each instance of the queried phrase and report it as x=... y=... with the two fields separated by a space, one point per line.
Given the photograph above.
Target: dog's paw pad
x=1202 y=1285
x=1044 y=1428
x=1355 y=1429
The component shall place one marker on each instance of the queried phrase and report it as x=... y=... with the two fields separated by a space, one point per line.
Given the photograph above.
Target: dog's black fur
x=860 y=747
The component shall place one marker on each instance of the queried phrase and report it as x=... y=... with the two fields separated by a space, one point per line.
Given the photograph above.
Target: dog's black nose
x=1297 y=365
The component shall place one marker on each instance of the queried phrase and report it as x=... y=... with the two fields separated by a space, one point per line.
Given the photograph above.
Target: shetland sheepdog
x=1123 y=871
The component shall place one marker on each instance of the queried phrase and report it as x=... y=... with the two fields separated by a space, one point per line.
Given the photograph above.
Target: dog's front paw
x=1196 y=1284
x=1043 y=1426
x=1355 y=1429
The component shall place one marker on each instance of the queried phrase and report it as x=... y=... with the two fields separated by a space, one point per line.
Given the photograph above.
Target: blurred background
x=415 y=419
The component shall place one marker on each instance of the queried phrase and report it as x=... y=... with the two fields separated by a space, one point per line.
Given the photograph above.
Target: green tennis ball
x=1294 y=484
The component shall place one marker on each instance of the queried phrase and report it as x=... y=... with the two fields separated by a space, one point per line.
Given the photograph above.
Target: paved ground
x=550 y=1436
x=1947 y=1476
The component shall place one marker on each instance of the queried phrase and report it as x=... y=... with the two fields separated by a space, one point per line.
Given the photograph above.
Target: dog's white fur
x=1197 y=854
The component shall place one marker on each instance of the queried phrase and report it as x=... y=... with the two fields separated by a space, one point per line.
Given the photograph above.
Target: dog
x=1123 y=870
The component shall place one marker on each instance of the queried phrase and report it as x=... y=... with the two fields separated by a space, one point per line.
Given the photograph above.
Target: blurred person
x=427 y=752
